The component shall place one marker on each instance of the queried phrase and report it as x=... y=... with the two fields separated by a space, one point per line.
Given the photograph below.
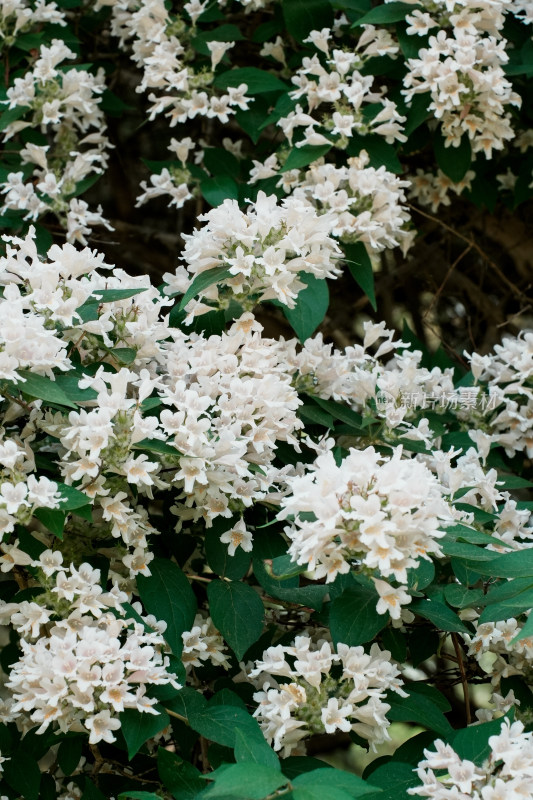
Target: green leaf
x=22 y=773
x=221 y=162
x=353 y=616
x=461 y=597
x=167 y=594
x=453 y=161
x=137 y=727
x=69 y=753
x=237 y=611
x=473 y=743
x=284 y=567
x=302 y=156
x=12 y=114
x=526 y=632
x=250 y=781
x=41 y=388
x=464 y=550
x=220 y=724
x=308 y=792
x=360 y=266
x=136 y=795
x=334 y=779
x=288 y=589
x=310 y=309
x=420 y=709
x=216 y=552
x=53 y=519
x=303 y=16
x=340 y=412
x=156 y=446
x=124 y=355
x=114 y=295
x=69 y=384
x=311 y=413
x=394 y=778
x=257 y=80
x=517 y=564
x=179 y=777
x=72 y=498
x=439 y=614
x=386 y=13
x=219 y=188
x=421 y=576
x=202 y=282
x=253 y=749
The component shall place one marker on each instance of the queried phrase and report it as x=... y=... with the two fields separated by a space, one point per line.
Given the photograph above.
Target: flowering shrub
x=230 y=528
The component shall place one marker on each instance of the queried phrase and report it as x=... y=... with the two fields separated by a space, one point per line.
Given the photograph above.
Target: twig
x=441 y=287
x=178 y=716
x=515 y=290
x=464 y=681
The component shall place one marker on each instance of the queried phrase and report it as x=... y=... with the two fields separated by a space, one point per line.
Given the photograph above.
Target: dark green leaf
x=308 y=792
x=156 y=446
x=334 y=779
x=115 y=295
x=420 y=709
x=394 y=778
x=453 y=161
x=137 y=727
x=179 y=777
x=219 y=188
x=340 y=412
x=353 y=617
x=302 y=156
x=202 y=281
x=247 y=780
x=439 y=614
x=360 y=266
x=257 y=80
x=53 y=519
x=473 y=743
x=386 y=13
x=167 y=594
x=232 y=567
x=254 y=749
x=42 y=388
x=303 y=16
x=461 y=597
x=69 y=753
x=22 y=773
x=71 y=498
x=310 y=309
x=220 y=724
x=237 y=611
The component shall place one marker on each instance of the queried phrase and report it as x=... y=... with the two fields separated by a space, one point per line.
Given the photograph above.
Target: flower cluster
x=462 y=70
x=161 y=48
x=260 y=253
x=505 y=773
x=371 y=511
x=81 y=664
x=334 y=78
x=316 y=696
x=64 y=104
x=434 y=189
x=203 y=643
x=496 y=646
x=19 y=16
x=508 y=372
x=365 y=203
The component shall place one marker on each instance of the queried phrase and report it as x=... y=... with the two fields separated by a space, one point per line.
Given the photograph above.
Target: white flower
x=238 y=536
